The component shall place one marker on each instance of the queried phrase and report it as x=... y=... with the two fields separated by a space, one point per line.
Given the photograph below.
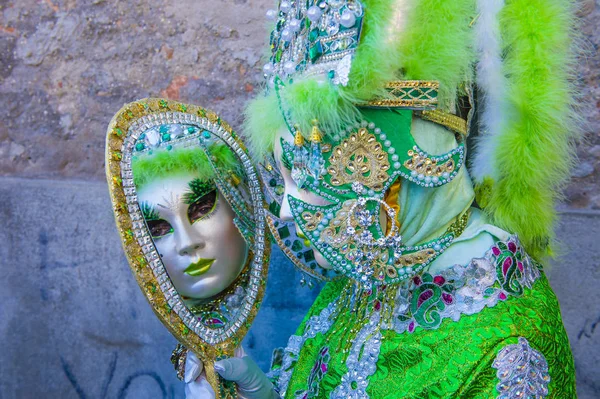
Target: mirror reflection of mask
x=193 y=228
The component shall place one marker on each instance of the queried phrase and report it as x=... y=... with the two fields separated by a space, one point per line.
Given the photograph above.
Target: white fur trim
x=493 y=85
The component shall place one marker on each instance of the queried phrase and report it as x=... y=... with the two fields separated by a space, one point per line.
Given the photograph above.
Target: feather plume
x=163 y=163
x=375 y=62
x=438 y=44
x=533 y=154
x=492 y=84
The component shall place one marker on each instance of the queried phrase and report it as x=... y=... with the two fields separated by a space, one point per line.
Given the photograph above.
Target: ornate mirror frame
x=147 y=267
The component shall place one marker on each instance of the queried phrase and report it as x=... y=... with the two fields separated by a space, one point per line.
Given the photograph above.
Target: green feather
x=162 y=163
x=438 y=44
x=376 y=62
x=534 y=154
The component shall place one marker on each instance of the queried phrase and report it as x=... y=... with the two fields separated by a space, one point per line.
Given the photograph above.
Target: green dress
x=489 y=328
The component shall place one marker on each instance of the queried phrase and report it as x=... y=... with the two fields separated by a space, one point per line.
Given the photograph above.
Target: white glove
x=252 y=382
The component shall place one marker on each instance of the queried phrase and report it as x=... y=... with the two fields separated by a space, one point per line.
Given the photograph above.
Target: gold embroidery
x=359 y=158
x=408 y=94
x=415 y=258
x=427 y=166
x=312 y=220
x=452 y=122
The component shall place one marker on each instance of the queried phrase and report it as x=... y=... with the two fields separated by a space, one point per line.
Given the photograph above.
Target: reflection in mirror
x=191 y=221
x=190 y=211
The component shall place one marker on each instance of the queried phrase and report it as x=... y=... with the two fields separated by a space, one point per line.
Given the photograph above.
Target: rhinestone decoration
x=314 y=38
x=522 y=371
x=156 y=122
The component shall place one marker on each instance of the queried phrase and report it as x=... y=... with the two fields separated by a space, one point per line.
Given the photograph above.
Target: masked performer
x=367 y=112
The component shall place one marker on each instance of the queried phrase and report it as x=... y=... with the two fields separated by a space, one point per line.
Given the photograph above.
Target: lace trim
x=504 y=270
x=361 y=363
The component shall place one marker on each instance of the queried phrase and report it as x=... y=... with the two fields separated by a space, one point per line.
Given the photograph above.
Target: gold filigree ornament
x=359 y=158
x=426 y=166
x=125 y=131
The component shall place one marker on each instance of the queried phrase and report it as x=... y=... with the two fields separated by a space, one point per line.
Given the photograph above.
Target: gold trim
x=411 y=84
x=449 y=121
x=117 y=132
x=416 y=94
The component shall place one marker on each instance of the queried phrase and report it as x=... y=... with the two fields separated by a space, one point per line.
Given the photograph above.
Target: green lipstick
x=199 y=268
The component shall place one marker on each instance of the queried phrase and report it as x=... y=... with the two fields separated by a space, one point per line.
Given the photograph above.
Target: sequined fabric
x=454 y=358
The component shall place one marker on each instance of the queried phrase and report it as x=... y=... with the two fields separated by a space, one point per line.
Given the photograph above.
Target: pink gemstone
x=324 y=368
x=520 y=266
x=439 y=280
x=496 y=251
x=502 y=296
x=377 y=306
x=506 y=265
x=417 y=280
x=424 y=296
x=447 y=298
x=512 y=247
x=411 y=326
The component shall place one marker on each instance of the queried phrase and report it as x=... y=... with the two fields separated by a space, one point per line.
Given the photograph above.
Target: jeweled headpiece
x=424 y=68
x=314 y=38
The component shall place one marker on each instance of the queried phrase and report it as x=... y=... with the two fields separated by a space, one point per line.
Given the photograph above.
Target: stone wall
x=73 y=323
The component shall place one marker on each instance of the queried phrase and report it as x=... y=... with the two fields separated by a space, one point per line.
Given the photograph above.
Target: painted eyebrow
x=149 y=211
x=285 y=160
x=198 y=189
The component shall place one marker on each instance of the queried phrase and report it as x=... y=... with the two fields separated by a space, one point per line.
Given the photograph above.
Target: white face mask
x=200 y=246
x=291 y=188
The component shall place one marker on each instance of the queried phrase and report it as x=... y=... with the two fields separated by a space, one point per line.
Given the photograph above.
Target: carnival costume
x=428 y=296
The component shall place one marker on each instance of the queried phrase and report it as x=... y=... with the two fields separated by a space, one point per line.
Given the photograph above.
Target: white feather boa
x=492 y=84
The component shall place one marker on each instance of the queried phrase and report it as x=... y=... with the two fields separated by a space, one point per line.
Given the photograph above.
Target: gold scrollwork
x=427 y=166
x=312 y=220
x=359 y=158
x=415 y=258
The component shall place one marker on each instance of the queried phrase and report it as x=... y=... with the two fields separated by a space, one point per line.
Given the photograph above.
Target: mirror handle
x=224 y=389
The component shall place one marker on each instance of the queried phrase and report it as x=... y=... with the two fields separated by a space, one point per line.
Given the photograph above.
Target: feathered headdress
x=515 y=57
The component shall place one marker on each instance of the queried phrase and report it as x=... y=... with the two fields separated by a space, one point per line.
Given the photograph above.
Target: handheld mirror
x=189 y=208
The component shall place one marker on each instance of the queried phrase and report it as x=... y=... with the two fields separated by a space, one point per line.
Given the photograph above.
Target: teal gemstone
x=274 y=208
x=166 y=137
x=191 y=129
x=284 y=232
x=163 y=129
x=140 y=146
x=315 y=51
x=273 y=182
x=309 y=256
x=297 y=246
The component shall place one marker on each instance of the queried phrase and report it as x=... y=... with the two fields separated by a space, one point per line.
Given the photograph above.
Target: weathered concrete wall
x=66 y=66
x=74 y=324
